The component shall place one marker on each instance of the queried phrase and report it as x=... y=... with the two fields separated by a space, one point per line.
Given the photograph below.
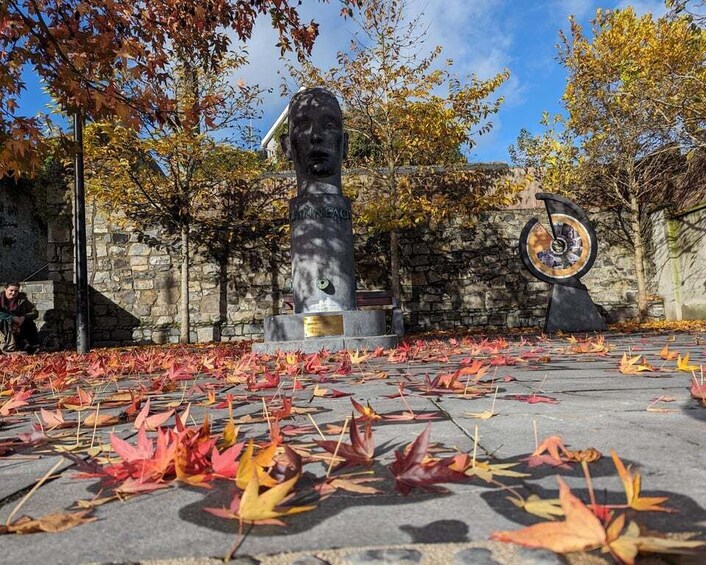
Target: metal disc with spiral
x=565 y=250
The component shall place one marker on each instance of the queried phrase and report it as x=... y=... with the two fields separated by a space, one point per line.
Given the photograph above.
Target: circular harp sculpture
x=560 y=253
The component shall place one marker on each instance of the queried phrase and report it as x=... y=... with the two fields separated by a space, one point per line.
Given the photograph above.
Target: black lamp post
x=80 y=259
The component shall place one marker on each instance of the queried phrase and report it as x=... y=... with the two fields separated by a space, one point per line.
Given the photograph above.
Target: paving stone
x=530 y=556
x=309 y=560
x=384 y=557
x=244 y=560
x=474 y=556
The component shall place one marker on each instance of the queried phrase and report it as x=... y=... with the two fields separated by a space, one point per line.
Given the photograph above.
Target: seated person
x=17 y=315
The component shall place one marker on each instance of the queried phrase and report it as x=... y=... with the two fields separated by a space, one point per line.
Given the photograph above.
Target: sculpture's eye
x=301 y=125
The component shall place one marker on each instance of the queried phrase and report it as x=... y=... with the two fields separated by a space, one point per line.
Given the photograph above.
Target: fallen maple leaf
x=631 y=483
x=17 y=400
x=410 y=471
x=80 y=401
x=52 y=419
x=531 y=398
x=56 y=522
x=683 y=364
x=556 y=453
x=581 y=531
x=698 y=391
x=249 y=462
x=359 y=451
x=256 y=508
x=151 y=423
x=626 y=547
x=547 y=508
x=366 y=412
x=225 y=464
x=486 y=471
x=668 y=355
x=632 y=365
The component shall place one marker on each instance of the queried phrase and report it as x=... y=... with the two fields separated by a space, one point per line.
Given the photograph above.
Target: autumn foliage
x=103 y=57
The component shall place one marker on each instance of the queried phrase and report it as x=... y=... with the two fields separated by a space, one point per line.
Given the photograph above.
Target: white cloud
x=560 y=10
x=654 y=7
x=474 y=33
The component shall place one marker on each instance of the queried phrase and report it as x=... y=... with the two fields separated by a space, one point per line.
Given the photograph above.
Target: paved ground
x=575 y=391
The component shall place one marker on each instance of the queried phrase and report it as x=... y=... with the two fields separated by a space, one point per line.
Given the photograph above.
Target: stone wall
x=23 y=232
x=135 y=282
x=452 y=277
x=474 y=277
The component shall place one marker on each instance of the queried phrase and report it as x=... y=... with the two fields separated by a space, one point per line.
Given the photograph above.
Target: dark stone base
x=362 y=329
x=572 y=310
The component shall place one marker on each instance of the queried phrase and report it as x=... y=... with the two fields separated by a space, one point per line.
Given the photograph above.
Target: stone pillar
x=323 y=267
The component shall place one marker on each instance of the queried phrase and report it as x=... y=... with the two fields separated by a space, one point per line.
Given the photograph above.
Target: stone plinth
x=334 y=331
x=572 y=310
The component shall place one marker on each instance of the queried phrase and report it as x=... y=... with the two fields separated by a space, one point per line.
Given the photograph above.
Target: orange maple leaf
x=631 y=483
x=581 y=531
x=668 y=355
x=632 y=365
x=17 y=400
x=551 y=451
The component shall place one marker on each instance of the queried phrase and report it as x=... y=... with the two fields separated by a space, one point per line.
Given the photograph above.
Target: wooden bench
x=365 y=298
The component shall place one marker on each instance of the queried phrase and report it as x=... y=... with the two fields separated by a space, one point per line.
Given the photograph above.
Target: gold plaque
x=318 y=326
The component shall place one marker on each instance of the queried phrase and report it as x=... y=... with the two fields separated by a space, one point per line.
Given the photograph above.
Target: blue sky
x=481 y=36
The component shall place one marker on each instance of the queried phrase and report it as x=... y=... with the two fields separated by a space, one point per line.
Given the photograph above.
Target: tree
x=409 y=123
x=174 y=174
x=619 y=145
x=108 y=58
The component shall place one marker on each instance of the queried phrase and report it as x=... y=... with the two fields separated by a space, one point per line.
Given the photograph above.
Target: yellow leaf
x=248 y=463
x=683 y=364
x=255 y=506
x=631 y=483
x=547 y=508
x=632 y=366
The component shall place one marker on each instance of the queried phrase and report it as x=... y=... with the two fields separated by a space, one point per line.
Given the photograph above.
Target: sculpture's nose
x=316 y=134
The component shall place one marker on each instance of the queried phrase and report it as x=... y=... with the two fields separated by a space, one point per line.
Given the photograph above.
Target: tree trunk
x=184 y=325
x=395 y=264
x=639 y=256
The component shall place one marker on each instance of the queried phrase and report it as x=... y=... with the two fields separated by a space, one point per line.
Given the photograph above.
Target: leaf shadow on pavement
x=222 y=493
x=692 y=409
x=687 y=516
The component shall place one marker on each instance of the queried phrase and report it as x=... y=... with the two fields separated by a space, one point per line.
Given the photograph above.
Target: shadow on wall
x=471 y=276
x=110 y=324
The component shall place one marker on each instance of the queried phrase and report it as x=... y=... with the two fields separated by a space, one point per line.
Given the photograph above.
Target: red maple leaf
x=359 y=451
x=531 y=398
x=411 y=471
x=225 y=465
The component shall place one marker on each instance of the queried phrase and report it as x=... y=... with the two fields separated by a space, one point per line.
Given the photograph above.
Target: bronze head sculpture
x=315 y=141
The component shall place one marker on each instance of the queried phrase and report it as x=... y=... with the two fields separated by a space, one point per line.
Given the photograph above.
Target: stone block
x=205 y=334
x=143 y=284
x=138 y=250
x=160 y=260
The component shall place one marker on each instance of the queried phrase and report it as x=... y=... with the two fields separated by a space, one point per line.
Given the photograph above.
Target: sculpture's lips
x=318 y=156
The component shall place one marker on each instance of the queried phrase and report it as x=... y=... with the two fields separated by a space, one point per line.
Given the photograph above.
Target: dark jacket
x=23 y=307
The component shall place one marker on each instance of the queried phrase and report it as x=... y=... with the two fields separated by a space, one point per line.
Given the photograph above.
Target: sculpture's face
x=316 y=138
